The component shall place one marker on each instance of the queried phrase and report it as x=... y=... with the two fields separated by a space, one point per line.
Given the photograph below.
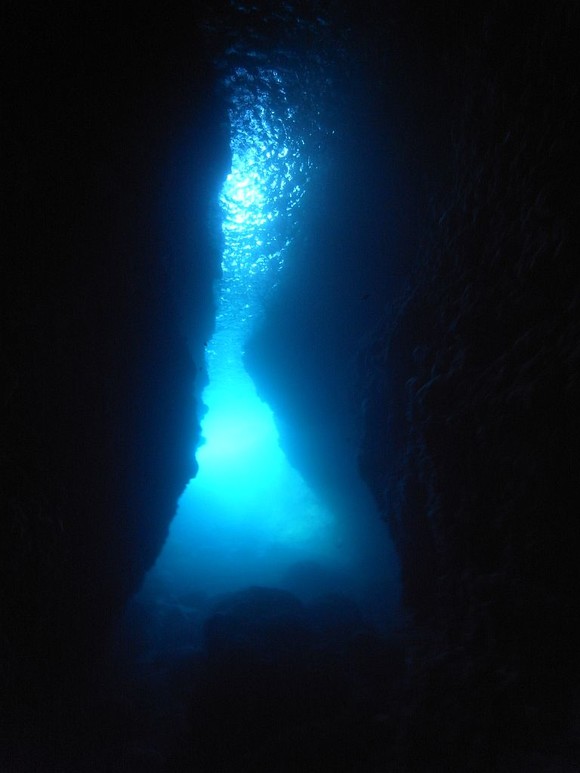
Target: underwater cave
x=290 y=388
x=249 y=516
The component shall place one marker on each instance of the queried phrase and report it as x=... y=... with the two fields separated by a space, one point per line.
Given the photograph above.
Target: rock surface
x=472 y=422
x=99 y=380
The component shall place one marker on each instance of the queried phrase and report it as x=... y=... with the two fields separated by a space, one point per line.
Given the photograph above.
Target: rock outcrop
x=472 y=423
x=107 y=192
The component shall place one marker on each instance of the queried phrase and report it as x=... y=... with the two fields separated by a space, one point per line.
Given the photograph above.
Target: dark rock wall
x=472 y=424
x=113 y=144
x=304 y=357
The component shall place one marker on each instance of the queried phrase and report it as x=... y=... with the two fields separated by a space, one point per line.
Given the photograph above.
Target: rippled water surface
x=279 y=127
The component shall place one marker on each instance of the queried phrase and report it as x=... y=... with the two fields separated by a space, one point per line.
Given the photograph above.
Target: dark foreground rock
x=472 y=421
x=99 y=379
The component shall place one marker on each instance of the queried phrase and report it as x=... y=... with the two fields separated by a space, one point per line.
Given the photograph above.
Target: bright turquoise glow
x=244 y=196
x=240 y=436
x=245 y=473
x=260 y=197
x=248 y=514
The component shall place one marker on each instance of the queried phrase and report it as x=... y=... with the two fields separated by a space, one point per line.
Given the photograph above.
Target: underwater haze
x=256 y=510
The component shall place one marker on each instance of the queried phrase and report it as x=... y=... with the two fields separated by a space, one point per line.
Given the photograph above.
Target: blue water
x=249 y=517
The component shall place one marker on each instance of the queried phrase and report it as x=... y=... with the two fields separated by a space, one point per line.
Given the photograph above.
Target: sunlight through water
x=248 y=513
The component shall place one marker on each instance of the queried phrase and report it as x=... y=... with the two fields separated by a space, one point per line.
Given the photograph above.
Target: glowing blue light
x=243 y=471
x=239 y=433
x=248 y=514
x=247 y=506
x=245 y=487
x=243 y=197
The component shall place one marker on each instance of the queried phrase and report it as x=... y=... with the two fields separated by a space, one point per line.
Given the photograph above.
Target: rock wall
x=113 y=144
x=471 y=440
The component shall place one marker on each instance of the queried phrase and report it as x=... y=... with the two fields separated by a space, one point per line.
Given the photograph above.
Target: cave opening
x=248 y=516
x=278 y=569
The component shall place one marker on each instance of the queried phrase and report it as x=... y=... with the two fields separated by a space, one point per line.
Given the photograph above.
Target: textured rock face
x=471 y=442
x=98 y=413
